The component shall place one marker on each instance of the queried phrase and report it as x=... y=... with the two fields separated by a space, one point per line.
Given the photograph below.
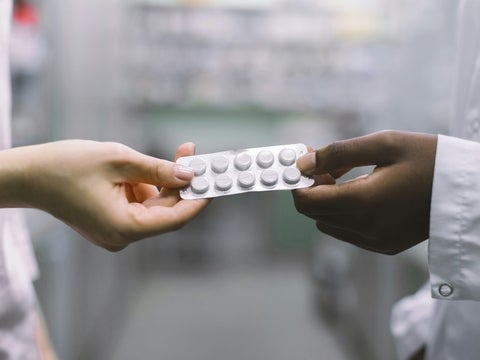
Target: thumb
x=159 y=172
x=379 y=148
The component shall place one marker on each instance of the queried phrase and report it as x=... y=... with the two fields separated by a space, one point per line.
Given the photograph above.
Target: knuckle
x=163 y=171
x=335 y=154
x=120 y=154
x=391 y=139
x=117 y=149
x=156 y=170
x=336 y=149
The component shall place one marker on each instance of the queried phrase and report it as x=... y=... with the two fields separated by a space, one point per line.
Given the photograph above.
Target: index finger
x=185 y=149
x=379 y=148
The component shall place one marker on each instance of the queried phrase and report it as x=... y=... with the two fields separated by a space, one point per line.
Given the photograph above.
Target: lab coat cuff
x=454 y=245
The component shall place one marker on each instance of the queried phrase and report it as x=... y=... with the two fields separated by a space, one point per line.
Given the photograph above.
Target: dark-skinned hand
x=386 y=211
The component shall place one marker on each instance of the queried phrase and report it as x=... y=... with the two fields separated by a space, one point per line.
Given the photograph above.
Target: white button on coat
x=445 y=290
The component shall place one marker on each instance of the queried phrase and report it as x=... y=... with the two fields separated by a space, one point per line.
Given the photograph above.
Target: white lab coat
x=451 y=329
x=17 y=264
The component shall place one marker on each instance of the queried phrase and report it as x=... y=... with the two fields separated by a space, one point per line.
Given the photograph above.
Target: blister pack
x=239 y=171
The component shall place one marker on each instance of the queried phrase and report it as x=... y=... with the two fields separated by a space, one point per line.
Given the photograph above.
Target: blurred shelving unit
x=282 y=58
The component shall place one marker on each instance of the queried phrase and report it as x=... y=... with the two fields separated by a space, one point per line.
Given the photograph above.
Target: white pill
x=242 y=161
x=199 y=185
x=223 y=182
x=198 y=165
x=291 y=175
x=287 y=157
x=220 y=164
x=269 y=177
x=246 y=179
x=265 y=159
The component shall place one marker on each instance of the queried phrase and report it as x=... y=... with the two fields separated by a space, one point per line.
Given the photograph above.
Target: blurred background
x=250 y=278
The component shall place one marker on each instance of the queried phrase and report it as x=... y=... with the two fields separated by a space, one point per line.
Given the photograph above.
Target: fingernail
x=191 y=145
x=183 y=172
x=307 y=162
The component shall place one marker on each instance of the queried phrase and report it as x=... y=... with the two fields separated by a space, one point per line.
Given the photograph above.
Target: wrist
x=17 y=176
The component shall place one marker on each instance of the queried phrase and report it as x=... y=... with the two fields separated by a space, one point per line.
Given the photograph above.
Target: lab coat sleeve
x=454 y=245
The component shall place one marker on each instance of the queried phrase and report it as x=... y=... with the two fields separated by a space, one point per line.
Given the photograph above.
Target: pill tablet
x=269 y=177
x=238 y=171
x=265 y=159
x=199 y=185
x=242 y=161
x=220 y=164
x=246 y=179
x=198 y=165
x=291 y=175
x=223 y=182
x=287 y=157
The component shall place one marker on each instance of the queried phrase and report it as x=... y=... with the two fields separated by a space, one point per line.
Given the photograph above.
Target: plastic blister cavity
x=239 y=171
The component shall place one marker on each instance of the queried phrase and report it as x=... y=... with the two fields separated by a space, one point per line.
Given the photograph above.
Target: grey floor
x=257 y=313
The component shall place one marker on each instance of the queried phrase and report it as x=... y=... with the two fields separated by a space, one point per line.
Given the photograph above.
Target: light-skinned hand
x=106 y=191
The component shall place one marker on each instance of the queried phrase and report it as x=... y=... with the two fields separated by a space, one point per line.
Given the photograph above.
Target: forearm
x=17 y=176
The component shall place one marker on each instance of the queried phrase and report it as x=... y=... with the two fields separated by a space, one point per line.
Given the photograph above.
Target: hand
x=386 y=211
x=106 y=191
